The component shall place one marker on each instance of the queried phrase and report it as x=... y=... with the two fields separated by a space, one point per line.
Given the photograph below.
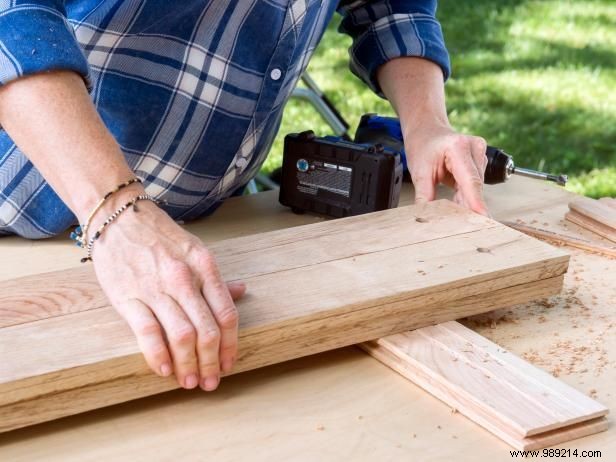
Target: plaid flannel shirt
x=193 y=91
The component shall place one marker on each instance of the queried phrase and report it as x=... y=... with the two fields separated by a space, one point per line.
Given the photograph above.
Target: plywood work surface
x=342 y=405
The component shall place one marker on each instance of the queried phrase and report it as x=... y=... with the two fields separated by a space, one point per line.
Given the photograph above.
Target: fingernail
x=227 y=365
x=191 y=381
x=165 y=370
x=210 y=383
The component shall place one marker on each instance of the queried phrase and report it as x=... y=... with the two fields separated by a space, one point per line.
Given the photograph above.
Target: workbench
x=342 y=405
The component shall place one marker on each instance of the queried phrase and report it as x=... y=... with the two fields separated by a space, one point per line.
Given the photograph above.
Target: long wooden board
x=521 y=404
x=311 y=289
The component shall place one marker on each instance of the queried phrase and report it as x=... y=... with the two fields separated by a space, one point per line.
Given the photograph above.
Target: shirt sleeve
x=386 y=29
x=35 y=36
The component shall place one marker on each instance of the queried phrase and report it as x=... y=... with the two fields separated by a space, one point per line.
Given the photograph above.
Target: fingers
x=461 y=160
x=220 y=300
x=425 y=187
x=208 y=338
x=478 y=147
x=236 y=289
x=149 y=335
x=198 y=319
x=181 y=337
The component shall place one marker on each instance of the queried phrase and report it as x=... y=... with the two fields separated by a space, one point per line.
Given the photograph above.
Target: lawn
x=536 y=78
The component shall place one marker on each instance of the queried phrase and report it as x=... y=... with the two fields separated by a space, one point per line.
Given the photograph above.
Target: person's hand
x=166 y=285
x=437 y=154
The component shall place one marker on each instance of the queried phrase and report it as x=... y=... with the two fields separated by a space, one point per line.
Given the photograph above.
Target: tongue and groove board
x=519 y=403
x=312 y=288
x=598 y=216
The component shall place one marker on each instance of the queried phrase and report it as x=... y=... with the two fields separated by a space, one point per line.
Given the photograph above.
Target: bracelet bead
x=114 y=216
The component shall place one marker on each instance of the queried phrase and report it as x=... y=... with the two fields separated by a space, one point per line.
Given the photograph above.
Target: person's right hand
x=166 y=285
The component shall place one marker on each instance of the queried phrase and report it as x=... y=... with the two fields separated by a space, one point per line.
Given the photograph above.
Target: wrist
x=113 y=203
x=425 y=131
x=87 y=204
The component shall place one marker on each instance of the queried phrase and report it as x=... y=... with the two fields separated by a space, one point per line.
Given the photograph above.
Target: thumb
x=425 y=189
x=236 y=289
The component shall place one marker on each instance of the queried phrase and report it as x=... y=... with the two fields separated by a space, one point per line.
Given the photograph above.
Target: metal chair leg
x=324 y=107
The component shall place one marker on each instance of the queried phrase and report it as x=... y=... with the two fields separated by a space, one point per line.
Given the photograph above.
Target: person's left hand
x=438 y=154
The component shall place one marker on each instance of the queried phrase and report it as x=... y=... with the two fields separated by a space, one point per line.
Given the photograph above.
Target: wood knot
x=421 y=220
x=483 y=250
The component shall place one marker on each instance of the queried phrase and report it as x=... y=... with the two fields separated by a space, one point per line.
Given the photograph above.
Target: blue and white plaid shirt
x=193 y=91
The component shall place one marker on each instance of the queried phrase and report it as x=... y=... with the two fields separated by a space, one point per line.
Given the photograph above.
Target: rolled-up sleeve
x=35 y=37
x=386 y=29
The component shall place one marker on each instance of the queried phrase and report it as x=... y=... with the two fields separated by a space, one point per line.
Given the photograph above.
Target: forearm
x=51 y=118
x=435 y=152
x=415 y=89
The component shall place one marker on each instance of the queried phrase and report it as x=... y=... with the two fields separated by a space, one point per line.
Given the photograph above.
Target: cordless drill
x=336 y=177
x=386 y=130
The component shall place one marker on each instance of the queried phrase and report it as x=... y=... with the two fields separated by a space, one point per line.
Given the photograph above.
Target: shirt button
x=241 y=163
x=276 y=74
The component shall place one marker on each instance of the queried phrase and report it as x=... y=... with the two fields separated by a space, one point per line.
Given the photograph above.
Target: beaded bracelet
x=132 y=203
x=80 y=234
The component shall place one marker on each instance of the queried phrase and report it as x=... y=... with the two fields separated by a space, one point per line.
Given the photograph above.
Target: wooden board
x=594 y=215
x=514 y=400
x=352 y=280
x=565 y=239
x=609 y=201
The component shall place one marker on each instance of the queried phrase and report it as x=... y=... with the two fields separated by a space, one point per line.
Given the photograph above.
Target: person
x=111 y=105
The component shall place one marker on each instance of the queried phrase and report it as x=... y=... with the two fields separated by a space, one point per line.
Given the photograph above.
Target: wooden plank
x=564 y=239
x=46 y=295
x=128 y=381
x=595 y=210
x=609 y=201
x=352 y=280
x=591 y=225
x=594 y=215
x=504 y=394
x=562 y=435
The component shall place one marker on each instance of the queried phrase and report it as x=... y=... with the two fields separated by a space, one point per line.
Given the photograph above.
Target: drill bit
x=559 y=179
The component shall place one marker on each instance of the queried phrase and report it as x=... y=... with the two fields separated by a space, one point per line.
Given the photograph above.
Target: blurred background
x=535 y=78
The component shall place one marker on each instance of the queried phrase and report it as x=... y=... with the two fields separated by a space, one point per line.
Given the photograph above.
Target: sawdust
x=577 y=314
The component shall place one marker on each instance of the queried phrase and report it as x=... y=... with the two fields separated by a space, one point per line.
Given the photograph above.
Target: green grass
x=536 y=78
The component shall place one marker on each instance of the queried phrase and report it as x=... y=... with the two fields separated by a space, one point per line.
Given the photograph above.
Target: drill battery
x=337 y=178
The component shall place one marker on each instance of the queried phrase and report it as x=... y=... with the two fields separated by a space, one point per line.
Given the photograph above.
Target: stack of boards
x=312 y=288
x=598 y=216
x=524 y=406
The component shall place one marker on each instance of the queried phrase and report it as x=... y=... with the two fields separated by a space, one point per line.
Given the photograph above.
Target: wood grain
x=564 y=239
x=594 y=215
x=514 y=400
x=352 y=280
x=46 y=295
